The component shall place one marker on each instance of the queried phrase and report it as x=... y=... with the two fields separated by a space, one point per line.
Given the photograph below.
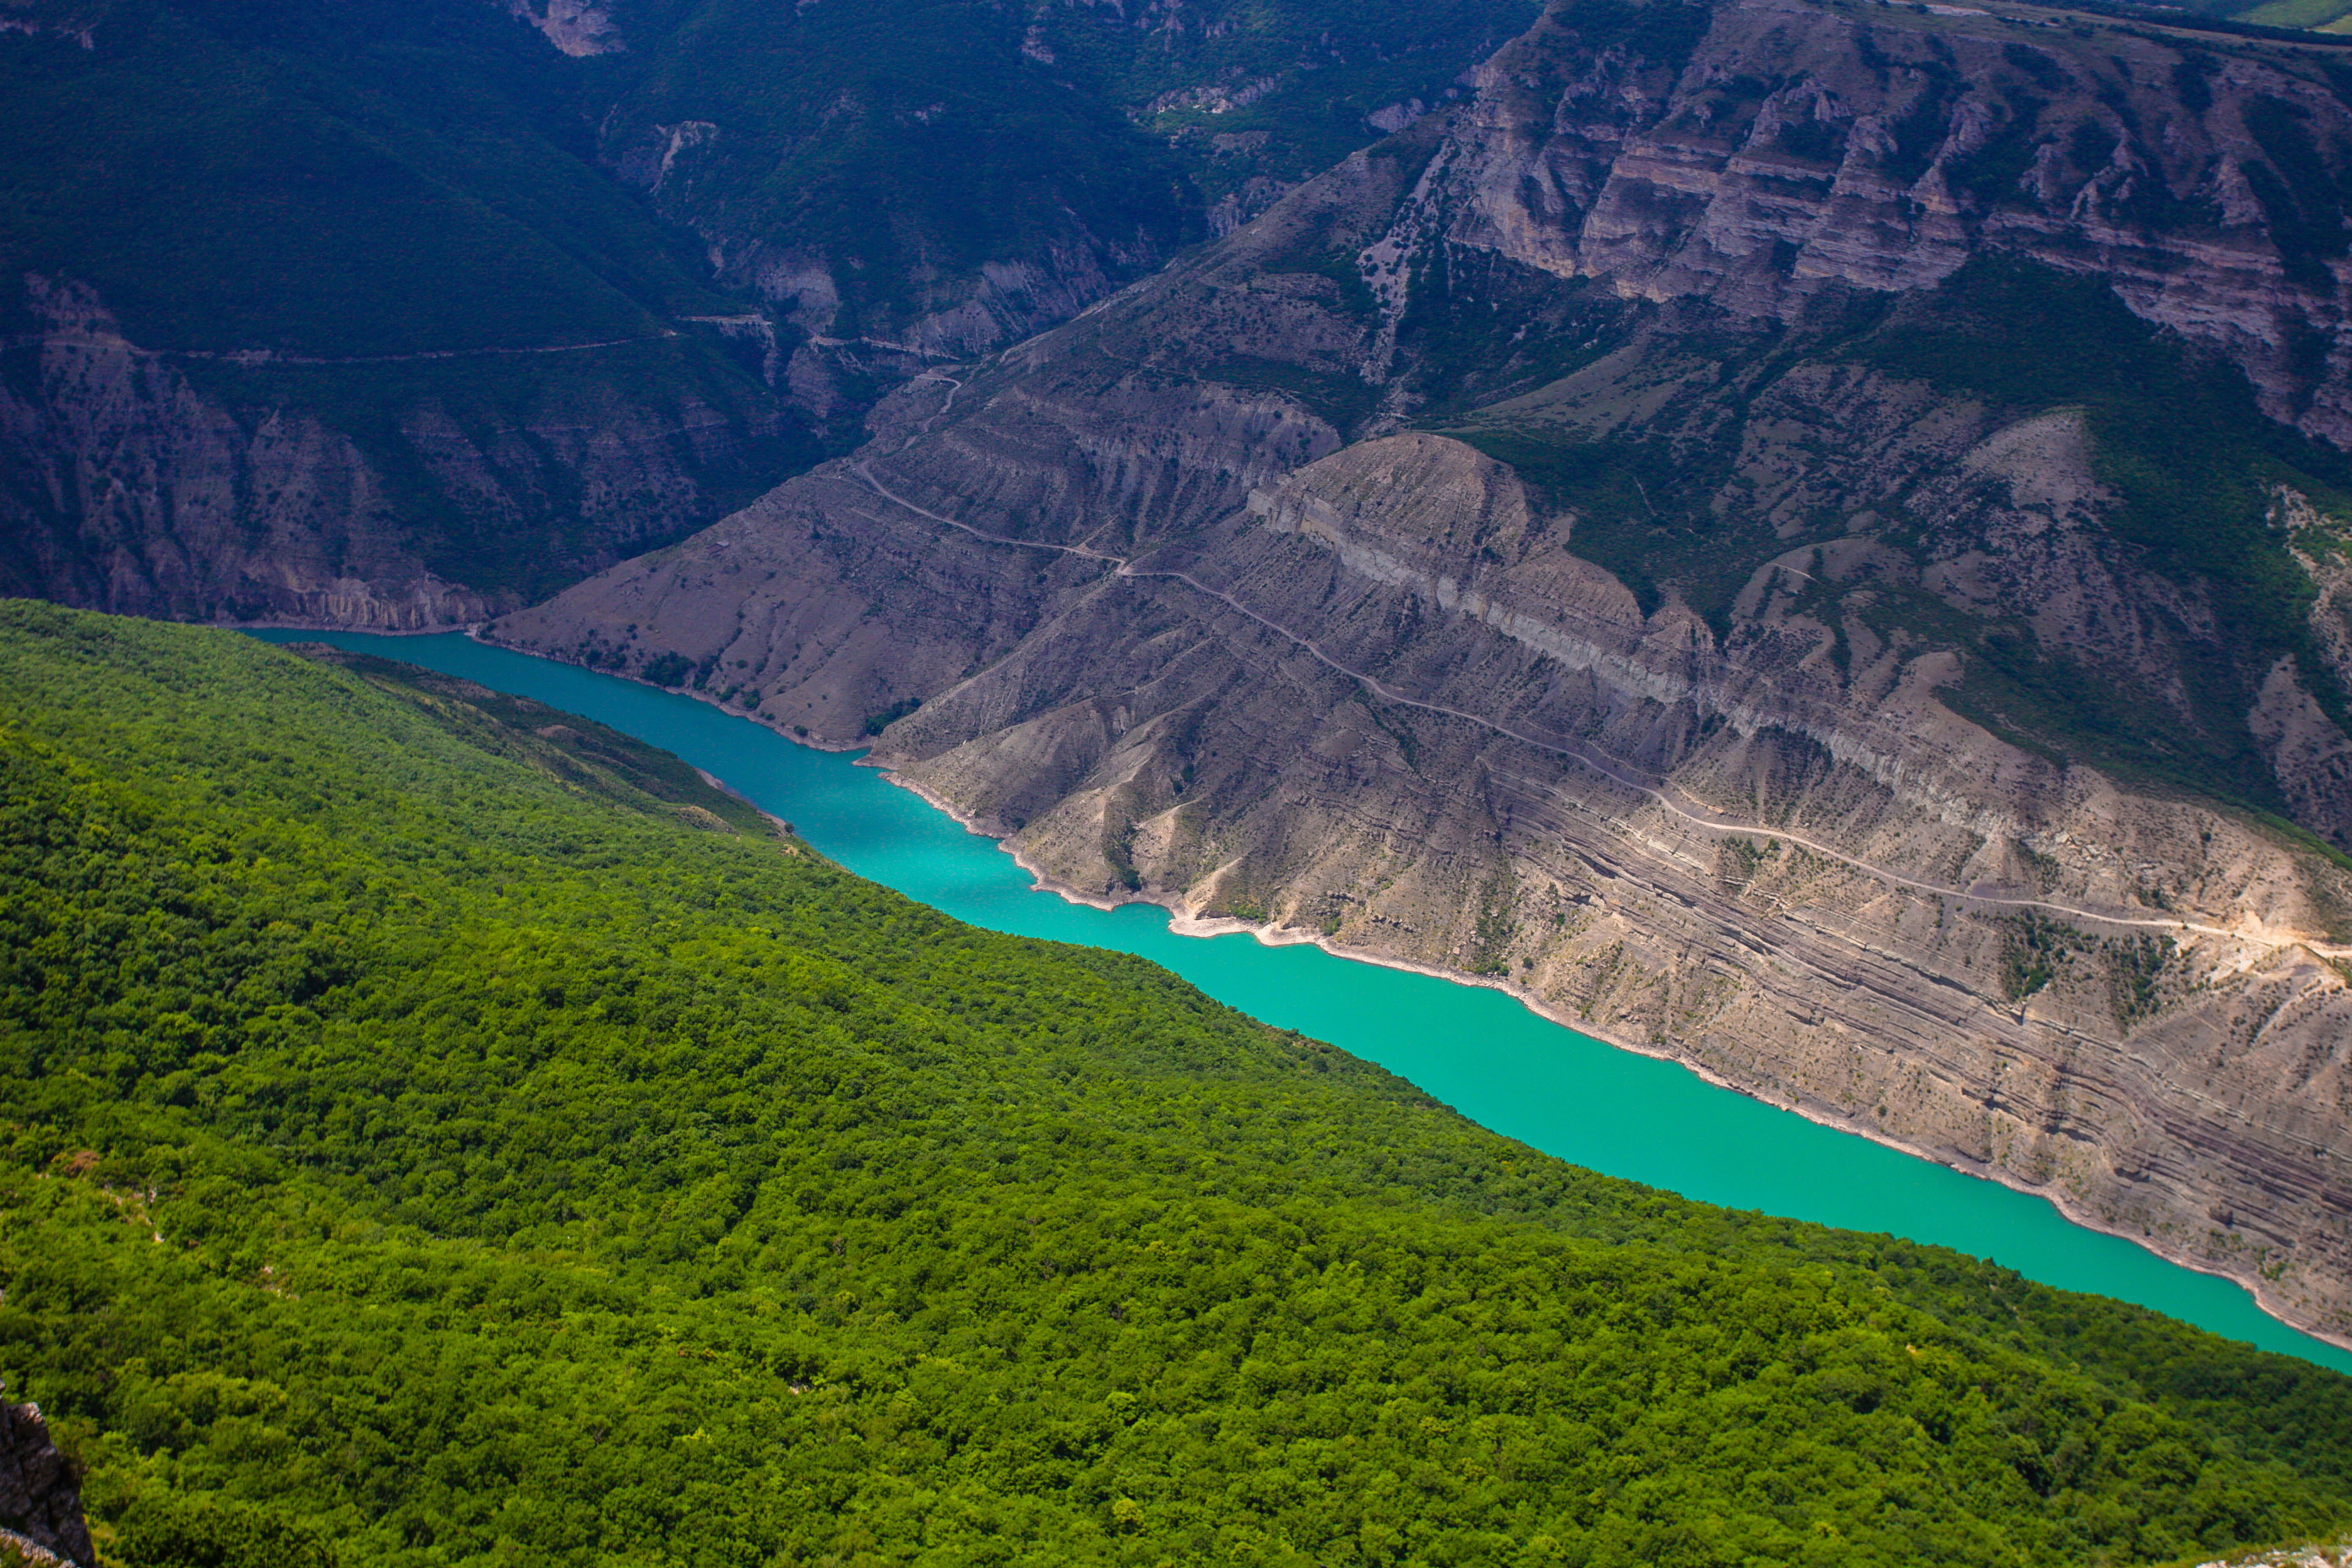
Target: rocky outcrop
x=242 y=489
x=40 y=1501
x=577 y=27
x=1719 y=721
x=2310 y=1554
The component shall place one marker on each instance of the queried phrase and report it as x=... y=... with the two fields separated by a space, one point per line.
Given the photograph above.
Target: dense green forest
x=434 y=1129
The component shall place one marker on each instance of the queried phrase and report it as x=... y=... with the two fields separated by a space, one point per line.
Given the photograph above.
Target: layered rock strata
x=1800 y=146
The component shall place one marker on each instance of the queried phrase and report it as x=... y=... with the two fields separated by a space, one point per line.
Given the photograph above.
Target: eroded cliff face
x=1785 y=150
x=1729 y=718
x=209 y=488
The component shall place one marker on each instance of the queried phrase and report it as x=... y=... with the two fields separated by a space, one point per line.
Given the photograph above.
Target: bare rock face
x=577 y=27
x=189 y=486
x=1701 y=666
x=1759 y=154
x=40 y=1504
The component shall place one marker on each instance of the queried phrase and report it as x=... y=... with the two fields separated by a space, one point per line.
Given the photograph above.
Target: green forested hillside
x=373 y=178
x=436 y=1129
x=904 y=144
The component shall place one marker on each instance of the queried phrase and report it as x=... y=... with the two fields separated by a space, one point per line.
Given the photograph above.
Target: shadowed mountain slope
x=405 y=314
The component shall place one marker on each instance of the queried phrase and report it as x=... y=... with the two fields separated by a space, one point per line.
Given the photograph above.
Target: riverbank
x=1625 y=1109
x=1188 y=922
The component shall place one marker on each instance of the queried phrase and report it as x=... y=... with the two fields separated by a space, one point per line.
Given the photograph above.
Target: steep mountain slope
x=398 y=314
x=440 y=1130
x=319 y=313
x=1800 y=535
x=937 y=178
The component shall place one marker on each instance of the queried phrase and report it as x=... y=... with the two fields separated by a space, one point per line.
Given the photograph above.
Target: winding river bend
x=1474 y=1048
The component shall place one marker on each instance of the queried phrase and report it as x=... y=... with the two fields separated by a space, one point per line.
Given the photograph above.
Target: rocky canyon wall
x=1807 y=696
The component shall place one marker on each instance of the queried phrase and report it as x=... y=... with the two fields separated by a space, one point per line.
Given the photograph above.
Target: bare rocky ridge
x=1694 y=750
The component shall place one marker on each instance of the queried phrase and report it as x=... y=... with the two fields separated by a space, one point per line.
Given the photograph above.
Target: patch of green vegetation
x=1492 y=932
x=2282 y=14
x=408 y=1146
x=1639 y=506
x=1341 y=400
x=883 y=718
x=1477 y=333
x=2136 y=967
x=671 y=668
x=2300 y=196
x=2032 y=951
x=1309 y=101
x=1737 y=860
x=2068 y=711
x=1992 y=171
x=1659 y=33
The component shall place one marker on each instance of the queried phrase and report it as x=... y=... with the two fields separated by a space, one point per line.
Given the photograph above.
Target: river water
x=1474 y=1048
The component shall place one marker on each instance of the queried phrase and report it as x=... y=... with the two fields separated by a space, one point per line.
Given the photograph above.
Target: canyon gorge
x=1802 y=537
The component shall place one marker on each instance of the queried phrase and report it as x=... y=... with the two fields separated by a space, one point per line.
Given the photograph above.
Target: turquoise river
x=1475 y=1048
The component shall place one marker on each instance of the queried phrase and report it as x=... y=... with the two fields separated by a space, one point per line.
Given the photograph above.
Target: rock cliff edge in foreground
x=40 y=1502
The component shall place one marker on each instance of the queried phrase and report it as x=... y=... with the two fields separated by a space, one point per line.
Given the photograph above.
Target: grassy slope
x=442 y=1128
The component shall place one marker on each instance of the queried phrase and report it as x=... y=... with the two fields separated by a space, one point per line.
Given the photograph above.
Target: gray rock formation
x=1730 y=718
x=40 y=1501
